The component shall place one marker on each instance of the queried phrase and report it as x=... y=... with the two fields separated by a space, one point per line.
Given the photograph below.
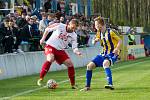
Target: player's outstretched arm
x=43 y=37
x=117 y=49
x=77 y=52
x=75 y=46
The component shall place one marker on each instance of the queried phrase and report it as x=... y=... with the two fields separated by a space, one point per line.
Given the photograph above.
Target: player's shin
x=109 y=75
x=88 y=78
x=71 y=74
x=45 y=69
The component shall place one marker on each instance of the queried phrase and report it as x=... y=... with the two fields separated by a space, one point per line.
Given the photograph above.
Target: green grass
x=131 y=81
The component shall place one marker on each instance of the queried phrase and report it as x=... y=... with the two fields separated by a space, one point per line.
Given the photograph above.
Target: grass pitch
x=131 y=81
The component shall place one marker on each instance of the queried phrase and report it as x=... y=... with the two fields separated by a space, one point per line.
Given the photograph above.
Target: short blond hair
x=100 y=20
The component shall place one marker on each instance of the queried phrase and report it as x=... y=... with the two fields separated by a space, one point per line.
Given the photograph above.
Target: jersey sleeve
x=52 y=27
x=74 y=41
x=114 y=36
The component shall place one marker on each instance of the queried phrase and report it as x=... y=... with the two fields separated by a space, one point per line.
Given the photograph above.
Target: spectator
x=57 y=16
x=35 y=34
x=50 y=18
x=14 y=22
x=35 y=25
x=16 y=36
x=28 y=18
x=43 y=23
x=47 y=5
x=79 y=32
x=26 y=32
x=83 y=36
x=62 y=19
x=58 y=6
x=8 y=32
x=131 y=38
x=21 y=22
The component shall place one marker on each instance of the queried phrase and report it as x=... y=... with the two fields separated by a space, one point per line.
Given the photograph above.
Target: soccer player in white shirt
x=54 y=50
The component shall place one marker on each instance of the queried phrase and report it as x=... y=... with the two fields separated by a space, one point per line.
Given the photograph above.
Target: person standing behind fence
x=9 y=37
x=43 y=23
x=131 y=38
x=47 y=5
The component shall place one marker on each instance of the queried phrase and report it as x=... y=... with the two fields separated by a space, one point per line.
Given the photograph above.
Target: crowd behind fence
x=24 y=31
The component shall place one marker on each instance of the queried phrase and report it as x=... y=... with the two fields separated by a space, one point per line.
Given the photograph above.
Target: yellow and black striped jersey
x=108 y=40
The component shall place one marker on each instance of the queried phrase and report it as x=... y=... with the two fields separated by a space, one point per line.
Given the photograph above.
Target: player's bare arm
x=75 y=47
x=117 y=49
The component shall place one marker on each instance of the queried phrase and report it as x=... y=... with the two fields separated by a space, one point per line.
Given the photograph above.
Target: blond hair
x=100 y=20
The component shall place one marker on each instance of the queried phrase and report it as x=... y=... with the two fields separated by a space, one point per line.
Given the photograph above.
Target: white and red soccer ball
x=51 y=84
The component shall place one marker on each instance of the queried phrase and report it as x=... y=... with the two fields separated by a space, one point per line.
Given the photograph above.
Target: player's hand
x=93 y=42
x=79 y=54
x=116 y=51
x=41 y=41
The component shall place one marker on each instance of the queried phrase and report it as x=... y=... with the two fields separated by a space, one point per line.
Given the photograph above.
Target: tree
x=128 y=12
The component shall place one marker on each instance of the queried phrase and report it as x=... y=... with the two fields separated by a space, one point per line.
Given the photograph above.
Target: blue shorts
x=99 y=59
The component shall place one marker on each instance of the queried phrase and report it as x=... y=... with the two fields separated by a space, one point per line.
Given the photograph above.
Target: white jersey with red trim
x=60 y=38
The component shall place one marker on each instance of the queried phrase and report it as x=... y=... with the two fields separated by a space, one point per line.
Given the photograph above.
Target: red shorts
x=59 y=55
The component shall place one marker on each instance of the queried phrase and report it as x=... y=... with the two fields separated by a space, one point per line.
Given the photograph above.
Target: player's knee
x=50 y=58
x=106 y=64
x=90 y=66
x=68 y=63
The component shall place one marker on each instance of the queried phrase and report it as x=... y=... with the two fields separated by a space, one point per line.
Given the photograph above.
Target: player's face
x=98 y=26
x=73 y=27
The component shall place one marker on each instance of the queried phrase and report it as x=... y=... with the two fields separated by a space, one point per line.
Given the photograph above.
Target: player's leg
x=90 y=66
x=96 y=62
x=46 y=65
x=45 y=68
x=106 y=66
x=62 y=57
x=71 y=72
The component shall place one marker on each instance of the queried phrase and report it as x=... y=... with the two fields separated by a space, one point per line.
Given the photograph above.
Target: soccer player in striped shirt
x=111 y=46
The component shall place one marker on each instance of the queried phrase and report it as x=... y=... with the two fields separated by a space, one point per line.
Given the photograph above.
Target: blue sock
x=88 y=78
x=109 y=76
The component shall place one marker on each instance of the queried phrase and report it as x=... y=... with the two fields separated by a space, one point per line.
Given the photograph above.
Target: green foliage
x=126 y=12
x=122 y=23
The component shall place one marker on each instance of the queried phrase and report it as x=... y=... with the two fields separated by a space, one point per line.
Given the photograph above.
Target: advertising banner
x=135 y=51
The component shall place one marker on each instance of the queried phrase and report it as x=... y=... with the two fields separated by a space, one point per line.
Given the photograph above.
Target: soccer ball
x=51 y=84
